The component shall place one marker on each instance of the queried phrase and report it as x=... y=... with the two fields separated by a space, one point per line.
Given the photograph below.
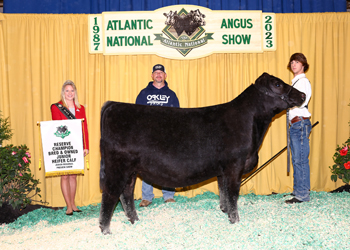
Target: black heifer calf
x=177 y=147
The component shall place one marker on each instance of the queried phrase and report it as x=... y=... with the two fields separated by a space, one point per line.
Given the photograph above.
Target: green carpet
x=266 y=222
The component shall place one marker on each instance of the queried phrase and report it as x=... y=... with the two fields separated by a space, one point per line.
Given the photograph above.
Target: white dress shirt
x=303 y=85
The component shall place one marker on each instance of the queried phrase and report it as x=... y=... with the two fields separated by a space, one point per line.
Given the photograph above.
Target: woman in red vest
x=69 y=100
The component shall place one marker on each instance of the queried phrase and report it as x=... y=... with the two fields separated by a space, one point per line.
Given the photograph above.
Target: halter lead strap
x=288 y=135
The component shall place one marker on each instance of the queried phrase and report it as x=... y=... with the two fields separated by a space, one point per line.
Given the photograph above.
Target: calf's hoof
x=223 y=209
x=105 y=231
x=132 y=220
x=233 y=218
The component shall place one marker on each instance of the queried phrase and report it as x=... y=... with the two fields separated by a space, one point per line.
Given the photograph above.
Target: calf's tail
x=102 y=166
x=102 y=146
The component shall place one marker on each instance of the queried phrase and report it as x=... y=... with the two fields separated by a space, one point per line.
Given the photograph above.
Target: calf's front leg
x=232 y=183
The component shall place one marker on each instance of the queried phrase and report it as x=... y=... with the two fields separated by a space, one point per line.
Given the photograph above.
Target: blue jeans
x=300 y=148
x=147 y=192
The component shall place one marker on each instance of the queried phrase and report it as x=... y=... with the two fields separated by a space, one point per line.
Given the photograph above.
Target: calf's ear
x=262 y=78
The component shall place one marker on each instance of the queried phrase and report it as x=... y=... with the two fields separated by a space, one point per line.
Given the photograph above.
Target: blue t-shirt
x=159 y=97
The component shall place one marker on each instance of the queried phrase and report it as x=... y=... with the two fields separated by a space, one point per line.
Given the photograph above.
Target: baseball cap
x=158 y=67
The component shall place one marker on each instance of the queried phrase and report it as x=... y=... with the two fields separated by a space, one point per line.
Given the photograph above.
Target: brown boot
x=145 y=203
x=170 y=200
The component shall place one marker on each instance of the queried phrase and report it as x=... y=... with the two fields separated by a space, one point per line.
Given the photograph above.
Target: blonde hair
x=63 y=99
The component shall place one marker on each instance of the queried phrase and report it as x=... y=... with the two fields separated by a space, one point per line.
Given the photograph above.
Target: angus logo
x=62 y=131
x=184 y=31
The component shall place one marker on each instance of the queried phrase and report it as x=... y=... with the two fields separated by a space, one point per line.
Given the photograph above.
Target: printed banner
x=182 y=32
x=63 y=151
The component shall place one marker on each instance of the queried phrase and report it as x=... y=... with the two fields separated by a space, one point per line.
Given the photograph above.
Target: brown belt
x=298 y=119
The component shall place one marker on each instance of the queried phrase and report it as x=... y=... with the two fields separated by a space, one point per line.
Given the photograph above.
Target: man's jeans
x=147 y=192
x=300 y=148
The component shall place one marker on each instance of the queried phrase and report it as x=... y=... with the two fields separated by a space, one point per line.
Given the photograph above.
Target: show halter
x=284 y=98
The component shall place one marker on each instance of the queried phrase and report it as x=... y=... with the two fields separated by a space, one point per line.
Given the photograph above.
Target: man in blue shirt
x=157 y=93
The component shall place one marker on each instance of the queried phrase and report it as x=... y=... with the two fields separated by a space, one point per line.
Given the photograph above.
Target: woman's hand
x=86 y=152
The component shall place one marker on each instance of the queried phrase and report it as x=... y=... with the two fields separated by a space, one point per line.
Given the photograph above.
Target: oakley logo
x=157 y=99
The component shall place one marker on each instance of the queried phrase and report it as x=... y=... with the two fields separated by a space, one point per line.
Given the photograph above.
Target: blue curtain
x=98 y=6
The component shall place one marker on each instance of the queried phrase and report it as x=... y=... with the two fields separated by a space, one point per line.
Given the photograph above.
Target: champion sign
x=182 y=32
x=62 y=145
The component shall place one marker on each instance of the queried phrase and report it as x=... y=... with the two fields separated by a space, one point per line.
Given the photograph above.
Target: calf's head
x=284 y=95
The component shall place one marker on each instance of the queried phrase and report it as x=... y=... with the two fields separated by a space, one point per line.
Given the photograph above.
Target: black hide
x=177 y=147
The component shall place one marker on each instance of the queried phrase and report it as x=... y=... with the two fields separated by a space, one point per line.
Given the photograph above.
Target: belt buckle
x=296 y=119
